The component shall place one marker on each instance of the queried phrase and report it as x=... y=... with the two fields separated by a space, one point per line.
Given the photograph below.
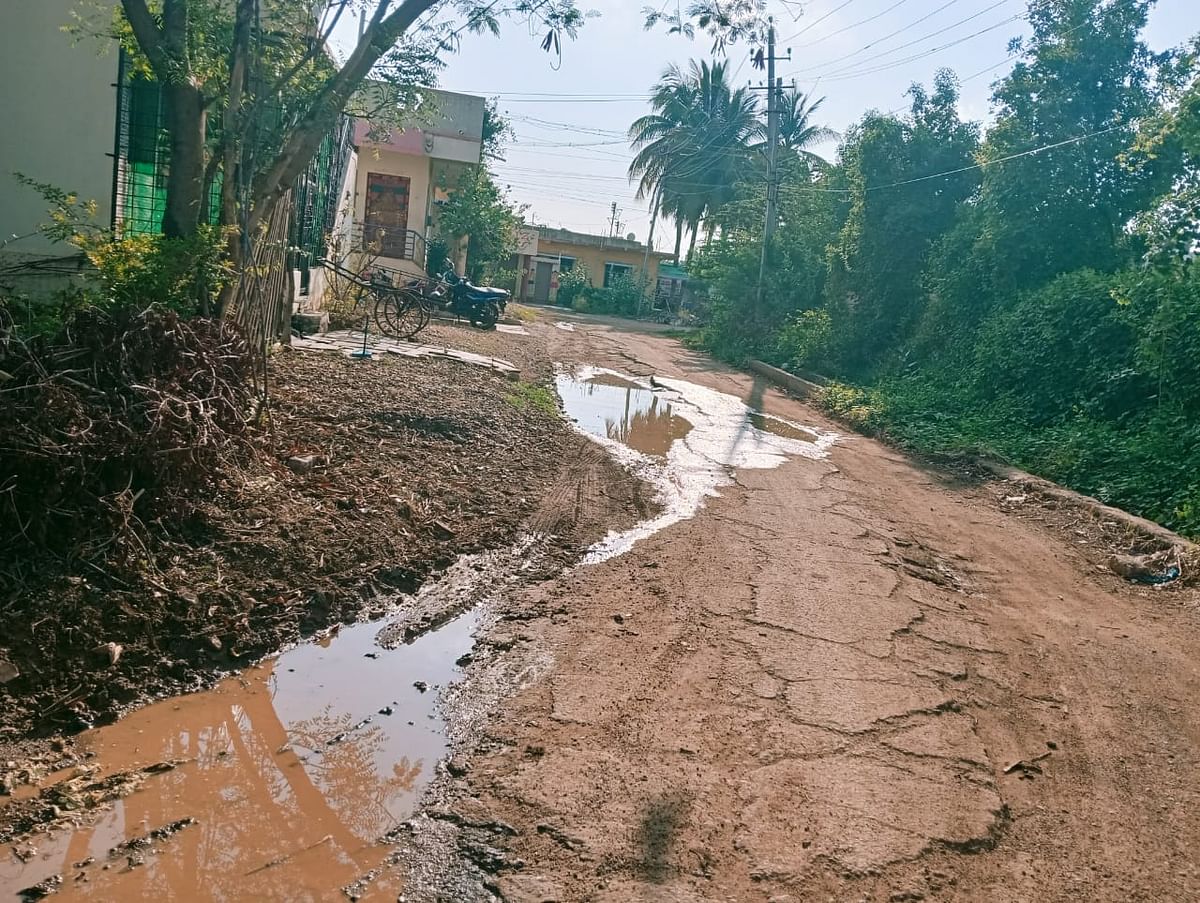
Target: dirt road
x=844 y=679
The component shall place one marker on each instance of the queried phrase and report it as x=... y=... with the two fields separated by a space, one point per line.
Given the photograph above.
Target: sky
x=568 y=162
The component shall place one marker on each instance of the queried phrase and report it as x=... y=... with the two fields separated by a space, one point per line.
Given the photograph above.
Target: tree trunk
x=678 y=238
x=186 y=122
x=692 y=243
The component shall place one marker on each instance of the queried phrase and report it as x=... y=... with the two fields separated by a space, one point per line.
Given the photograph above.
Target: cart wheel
x=400 y=315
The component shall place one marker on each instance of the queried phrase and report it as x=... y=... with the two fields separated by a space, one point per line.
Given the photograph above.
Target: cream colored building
x=545 y=253
x=402 y=175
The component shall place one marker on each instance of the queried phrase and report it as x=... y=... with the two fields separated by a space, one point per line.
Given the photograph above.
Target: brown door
x=385 y=220
x=541 y=282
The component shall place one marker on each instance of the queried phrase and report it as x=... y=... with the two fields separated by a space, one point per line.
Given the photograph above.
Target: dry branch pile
x=122 y=418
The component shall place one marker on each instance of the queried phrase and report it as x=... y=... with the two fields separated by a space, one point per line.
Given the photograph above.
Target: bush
x=151 y=269
x=571 y=284
x=621 y=297
x=805 y=341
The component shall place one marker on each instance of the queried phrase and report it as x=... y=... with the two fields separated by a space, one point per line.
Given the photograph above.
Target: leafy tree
x=250 y=91
x=797 y=130
x=478 y=212
x=895 y=216
x=1084 y=80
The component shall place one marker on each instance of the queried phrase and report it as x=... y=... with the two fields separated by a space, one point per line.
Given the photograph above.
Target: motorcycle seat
x=484 y=293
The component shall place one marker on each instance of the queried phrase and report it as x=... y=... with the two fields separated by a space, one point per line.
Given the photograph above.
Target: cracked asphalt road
x=818 y=687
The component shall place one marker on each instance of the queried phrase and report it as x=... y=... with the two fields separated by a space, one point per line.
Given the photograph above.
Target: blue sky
x=568 y=163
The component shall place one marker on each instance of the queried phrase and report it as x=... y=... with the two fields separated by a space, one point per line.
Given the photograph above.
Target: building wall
x=591 y=256
x=58 y=120
x=417 y=169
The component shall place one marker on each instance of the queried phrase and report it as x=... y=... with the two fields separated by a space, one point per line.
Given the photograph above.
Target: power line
x=845 y=28
x=953 y=172
x=814 y=24
x=886 y=37
x=916 y=41
x=849 y=73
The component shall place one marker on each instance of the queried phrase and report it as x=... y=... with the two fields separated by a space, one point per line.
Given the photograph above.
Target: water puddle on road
x=292 y=771
x=685 y=439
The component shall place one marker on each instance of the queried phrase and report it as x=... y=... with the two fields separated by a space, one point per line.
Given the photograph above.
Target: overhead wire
x=850 y=72
x=915 y=41
x=845 y=28
x=873 y=43
x=814 y=24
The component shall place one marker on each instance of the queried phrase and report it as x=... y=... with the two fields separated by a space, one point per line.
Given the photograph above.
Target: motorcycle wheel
x=400 y=315
x=486 y=315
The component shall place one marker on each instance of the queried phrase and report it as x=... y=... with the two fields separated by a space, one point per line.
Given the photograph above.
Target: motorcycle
x=480 y=306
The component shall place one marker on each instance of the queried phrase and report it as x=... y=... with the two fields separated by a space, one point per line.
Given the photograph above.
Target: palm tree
x=692 y=148
x=797 y=132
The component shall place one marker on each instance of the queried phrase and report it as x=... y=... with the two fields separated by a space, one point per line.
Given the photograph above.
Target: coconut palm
x=797 y=132
x=692 y=148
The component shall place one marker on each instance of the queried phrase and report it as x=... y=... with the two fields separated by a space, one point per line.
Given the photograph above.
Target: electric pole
x=774 y=88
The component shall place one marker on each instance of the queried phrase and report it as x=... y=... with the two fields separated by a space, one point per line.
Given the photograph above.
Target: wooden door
x=385 y=220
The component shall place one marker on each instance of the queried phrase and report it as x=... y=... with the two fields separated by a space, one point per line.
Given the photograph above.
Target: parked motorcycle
x=479 y=305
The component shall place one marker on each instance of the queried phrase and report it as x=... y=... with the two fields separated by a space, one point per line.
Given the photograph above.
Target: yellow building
x=544 y=253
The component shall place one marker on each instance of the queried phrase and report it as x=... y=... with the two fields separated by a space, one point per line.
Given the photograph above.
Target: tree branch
x=313 y=52
x=379 y=37
x=147 y=33
x=175 y=30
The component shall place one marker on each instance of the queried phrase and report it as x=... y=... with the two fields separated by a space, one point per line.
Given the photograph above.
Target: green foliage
x=621 y=297
x=572 y=284
x=152 y=269
x=805 y=341
x=478 y=211
x=131 y=273
x=695 y=145
x=530 y=396
x=1043 y=308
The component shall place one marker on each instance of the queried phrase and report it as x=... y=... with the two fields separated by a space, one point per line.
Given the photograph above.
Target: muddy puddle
x=291 y=771
x=278 y=783
x=685 y=439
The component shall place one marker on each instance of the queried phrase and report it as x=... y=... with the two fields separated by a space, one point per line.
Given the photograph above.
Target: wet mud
x=285 y=778
x=291 y=772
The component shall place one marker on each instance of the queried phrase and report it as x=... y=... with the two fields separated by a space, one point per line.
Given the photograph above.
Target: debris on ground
x=1151 y=570
x=360 y=482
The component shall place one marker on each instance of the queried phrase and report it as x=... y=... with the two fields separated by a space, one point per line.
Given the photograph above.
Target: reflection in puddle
x=684 y=438
x=618 y=409
x=292 y=771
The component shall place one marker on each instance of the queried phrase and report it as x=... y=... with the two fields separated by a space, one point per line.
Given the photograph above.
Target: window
x=385 y=219
x=614 y=271
x=566 y=264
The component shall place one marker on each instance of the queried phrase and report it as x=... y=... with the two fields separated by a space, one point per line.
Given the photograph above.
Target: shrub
x=571 y=284
x=151 y=269
x=805 y=340
x=622 y=297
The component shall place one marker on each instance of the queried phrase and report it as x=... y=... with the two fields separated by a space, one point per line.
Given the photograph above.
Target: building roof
x=568 y=237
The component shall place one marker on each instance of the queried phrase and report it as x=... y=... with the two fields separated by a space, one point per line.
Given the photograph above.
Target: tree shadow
x=658 y=827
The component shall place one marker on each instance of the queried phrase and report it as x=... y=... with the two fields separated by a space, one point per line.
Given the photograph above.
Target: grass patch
x=527 y=396
x=520 y=312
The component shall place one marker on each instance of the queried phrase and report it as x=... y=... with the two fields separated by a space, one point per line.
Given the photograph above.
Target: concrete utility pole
x=774 y=89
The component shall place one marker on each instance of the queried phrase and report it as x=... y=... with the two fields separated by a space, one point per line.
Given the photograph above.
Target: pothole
x=684 y=439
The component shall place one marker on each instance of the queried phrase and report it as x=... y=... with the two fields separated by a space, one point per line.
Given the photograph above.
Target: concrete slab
x=348 y=342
